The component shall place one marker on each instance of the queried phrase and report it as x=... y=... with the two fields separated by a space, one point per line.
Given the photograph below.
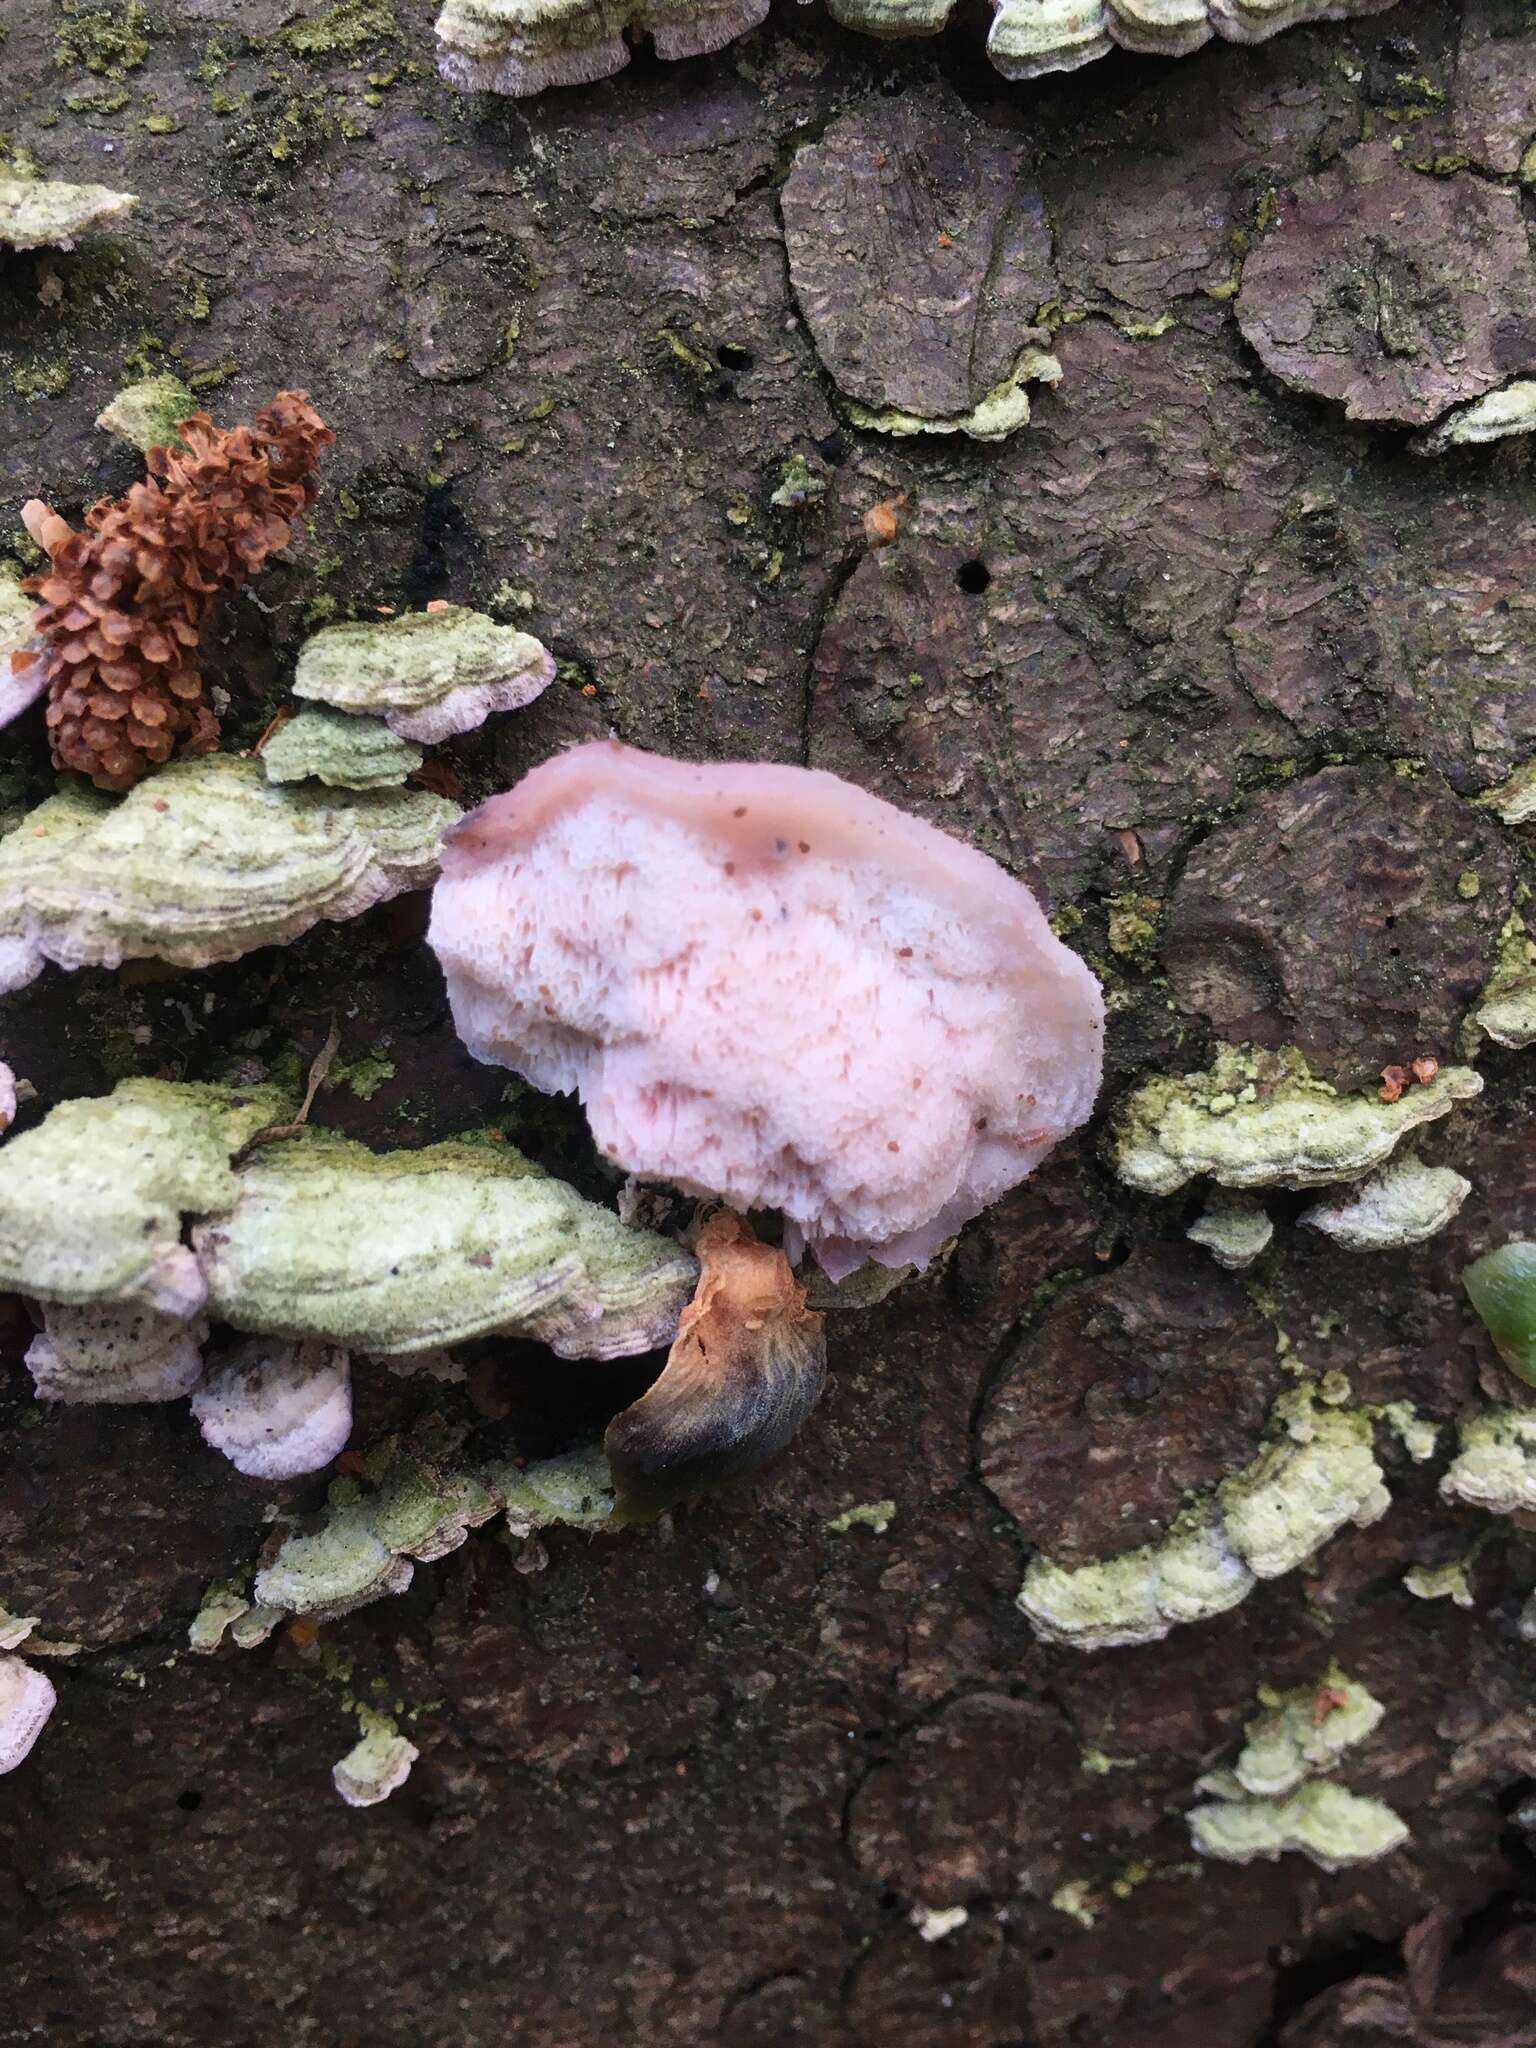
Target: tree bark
x=1208 y=651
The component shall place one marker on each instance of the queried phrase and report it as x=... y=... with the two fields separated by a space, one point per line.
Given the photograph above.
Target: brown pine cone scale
x=122 y=605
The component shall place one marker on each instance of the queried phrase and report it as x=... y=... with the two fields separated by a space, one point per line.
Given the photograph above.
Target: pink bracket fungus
x=27 y=1698
x=771 y=987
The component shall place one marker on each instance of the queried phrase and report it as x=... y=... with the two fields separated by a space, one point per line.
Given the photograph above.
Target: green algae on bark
x=149 y=413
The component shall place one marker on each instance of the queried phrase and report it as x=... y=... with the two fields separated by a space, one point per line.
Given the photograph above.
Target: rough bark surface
x=1216 y=666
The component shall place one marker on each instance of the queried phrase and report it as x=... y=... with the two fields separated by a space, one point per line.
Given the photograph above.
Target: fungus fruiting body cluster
x=526 y=46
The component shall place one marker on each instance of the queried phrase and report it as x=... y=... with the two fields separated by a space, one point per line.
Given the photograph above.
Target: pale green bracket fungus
x=1004 y=408
x=1495 y=1468
x=429 y=674
x=276 y=1410
x=378 y=1763
x=341 y=751
x=417 y=1506
x=1403 y=1204
x=1511 y=410
x=402 y=1252
x=1514 y=800
x=92 y=1204
x=1261 y=1119
x=45 y=213
x=148 y=414
x=1332 y=1827
x=1451 y=1582
x=1506 y=1010
x=92 y=1201
x=115 y=1354
x=226 y=1610
x=1234 y=1228
x=1303 y=1733
x=525 y=46
x=1502 y=1288
x=1317 y=1475
x=203 y=862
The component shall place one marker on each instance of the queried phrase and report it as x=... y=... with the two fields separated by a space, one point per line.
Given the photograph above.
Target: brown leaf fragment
x=745 y=1370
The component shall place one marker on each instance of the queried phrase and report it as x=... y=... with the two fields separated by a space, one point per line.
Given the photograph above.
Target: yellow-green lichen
x=875 y=1515
x=109 y=41
x=341 y=31
x=1451 y=1582
x=1003 y=410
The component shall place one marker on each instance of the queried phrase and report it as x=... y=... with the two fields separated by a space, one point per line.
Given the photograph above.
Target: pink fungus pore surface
x=768 y=985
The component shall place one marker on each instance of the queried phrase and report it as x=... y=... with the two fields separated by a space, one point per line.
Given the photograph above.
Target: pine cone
x=123 y=604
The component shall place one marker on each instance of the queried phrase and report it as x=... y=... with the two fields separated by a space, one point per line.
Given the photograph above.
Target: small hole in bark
x=189 y=1801
x=973 y=577
x=833 y=448
x=734 y=356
